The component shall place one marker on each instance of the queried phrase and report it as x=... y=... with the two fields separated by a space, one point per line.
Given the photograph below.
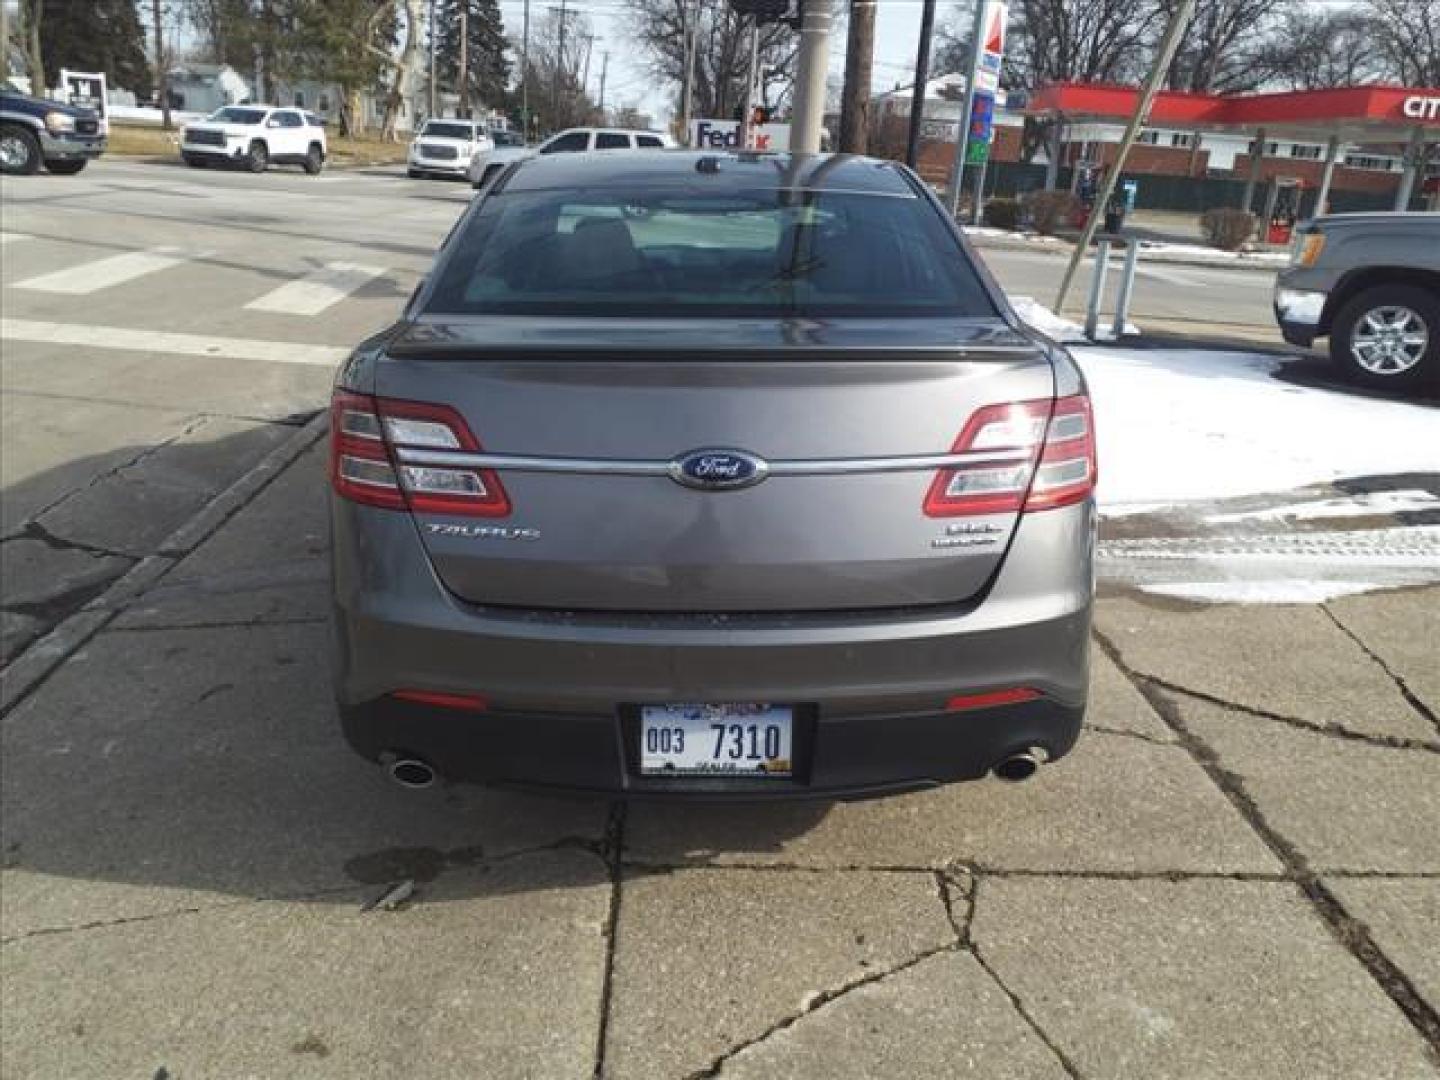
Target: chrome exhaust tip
x=1022 y=765
x=411 y=772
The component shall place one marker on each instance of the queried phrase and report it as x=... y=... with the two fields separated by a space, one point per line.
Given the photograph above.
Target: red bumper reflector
x=963 y=702
x=465 y=702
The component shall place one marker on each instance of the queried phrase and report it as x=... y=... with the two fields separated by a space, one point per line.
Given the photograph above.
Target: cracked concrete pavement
x=1236 y=873
x=1231 y=876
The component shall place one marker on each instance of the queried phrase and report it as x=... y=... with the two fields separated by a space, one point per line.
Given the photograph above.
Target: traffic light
x=770 y=11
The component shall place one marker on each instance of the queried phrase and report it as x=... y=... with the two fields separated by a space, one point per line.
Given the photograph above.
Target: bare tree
x=553 y=78
x=1407 y=34
x=1226 y=46
x=31 y=14
x=722 y=56
x=1313 y=51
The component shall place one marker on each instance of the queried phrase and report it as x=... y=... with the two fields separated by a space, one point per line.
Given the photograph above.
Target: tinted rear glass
x=232 y=115
x=672 y=251
x=448 y=131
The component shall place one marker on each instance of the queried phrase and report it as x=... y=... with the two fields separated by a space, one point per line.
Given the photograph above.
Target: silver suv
x=711 y=474
x=1371 y=283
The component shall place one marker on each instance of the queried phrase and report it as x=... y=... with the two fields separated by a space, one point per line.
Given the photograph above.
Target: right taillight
x=369 y=438
x=1030 y=455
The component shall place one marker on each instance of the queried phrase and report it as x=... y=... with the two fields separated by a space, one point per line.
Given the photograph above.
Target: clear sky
x=897 y=29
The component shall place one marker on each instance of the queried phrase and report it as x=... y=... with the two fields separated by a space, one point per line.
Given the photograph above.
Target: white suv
x=255 y=136
x=445 y=147
x=486 y=165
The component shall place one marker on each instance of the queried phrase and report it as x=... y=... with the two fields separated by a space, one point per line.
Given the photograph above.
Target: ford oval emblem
x=718 y=470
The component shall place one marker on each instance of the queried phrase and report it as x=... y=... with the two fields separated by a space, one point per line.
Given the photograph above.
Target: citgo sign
x=1420 y=107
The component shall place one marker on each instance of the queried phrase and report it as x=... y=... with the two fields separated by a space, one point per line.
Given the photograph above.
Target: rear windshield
x=506 y=138
x=232 y=115
x=448 y=131
x=674 y=251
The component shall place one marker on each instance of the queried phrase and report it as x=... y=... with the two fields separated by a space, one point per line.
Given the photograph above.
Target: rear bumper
x=848 y=756
x=561 y=685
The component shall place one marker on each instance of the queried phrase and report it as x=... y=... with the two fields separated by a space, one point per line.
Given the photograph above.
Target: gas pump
x=1087 y=183
x=1282 y=209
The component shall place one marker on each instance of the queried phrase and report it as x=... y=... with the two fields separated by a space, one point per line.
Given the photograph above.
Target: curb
x=28 y=670
x=983 y=243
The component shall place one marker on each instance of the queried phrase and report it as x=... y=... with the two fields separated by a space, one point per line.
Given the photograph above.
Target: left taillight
x=369 y=437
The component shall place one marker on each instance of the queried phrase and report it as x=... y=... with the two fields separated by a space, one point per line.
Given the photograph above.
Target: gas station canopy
x=1353 y=113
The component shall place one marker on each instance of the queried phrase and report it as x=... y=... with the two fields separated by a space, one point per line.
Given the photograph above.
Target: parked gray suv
x=1371 y=283
x=710 y=474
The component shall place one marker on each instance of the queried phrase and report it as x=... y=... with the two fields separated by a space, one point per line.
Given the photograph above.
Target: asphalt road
x=1202 y=301
x=1236 y=873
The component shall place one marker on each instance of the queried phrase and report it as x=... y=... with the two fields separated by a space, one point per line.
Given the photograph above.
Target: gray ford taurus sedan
x=706 y=474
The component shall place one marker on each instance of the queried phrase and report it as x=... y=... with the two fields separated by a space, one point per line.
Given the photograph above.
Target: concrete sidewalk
x=1236 y=874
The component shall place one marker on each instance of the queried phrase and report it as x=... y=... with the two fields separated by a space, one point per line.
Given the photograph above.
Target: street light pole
x=922 y=76
x=432 y=57
x=809 y=110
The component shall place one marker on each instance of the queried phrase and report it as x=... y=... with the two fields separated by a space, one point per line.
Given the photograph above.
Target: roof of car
x=722 y=170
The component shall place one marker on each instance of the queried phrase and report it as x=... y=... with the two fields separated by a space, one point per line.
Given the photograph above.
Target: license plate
x=716 y=740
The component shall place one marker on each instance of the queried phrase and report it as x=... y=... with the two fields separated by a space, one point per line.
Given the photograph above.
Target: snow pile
x=1198 y=251
x=1033 y=313
x=1188 y=425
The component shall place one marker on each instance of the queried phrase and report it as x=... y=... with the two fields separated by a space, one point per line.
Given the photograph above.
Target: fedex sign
x=726 y=135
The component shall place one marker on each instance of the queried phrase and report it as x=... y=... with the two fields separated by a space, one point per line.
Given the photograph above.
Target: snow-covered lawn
x=1184 y=425
x=1180 y=429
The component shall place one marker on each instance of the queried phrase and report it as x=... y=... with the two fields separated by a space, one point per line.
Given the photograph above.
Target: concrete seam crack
x=1334 y=731
x=1351 y=934
x=819 y=1001
x=1401 y=685
x=193 y=909
x=236 y=624
x=612 y=847
x=1015 y=1003
x=1103 y=730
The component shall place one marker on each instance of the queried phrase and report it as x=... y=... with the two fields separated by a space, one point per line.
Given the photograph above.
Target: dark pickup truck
x=1371 y=284
x=35 y=131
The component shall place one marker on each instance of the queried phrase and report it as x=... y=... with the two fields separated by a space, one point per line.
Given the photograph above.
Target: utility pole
x=525 y=76
x=688 y=92
x=162 y=74
x=922 y=76
x=559 y=65
x=604 y=70
x=1168 y=45
x=748 y=117
x=464 y=86
x=809 y=109
x=4 y=39
x=859 y=63
x=432 y=57
x=585 y=78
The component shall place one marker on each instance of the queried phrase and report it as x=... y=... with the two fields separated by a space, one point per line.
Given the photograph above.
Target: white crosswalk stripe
x=156 y=341
x=317 y=291
x=106 y=273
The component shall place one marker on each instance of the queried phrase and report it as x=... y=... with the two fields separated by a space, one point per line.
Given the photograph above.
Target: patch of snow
x=1362 y=504
x=1033 y=313
x=1161 y=247
x=1188 y=425
x=1006 y=234
x=1278 y=591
